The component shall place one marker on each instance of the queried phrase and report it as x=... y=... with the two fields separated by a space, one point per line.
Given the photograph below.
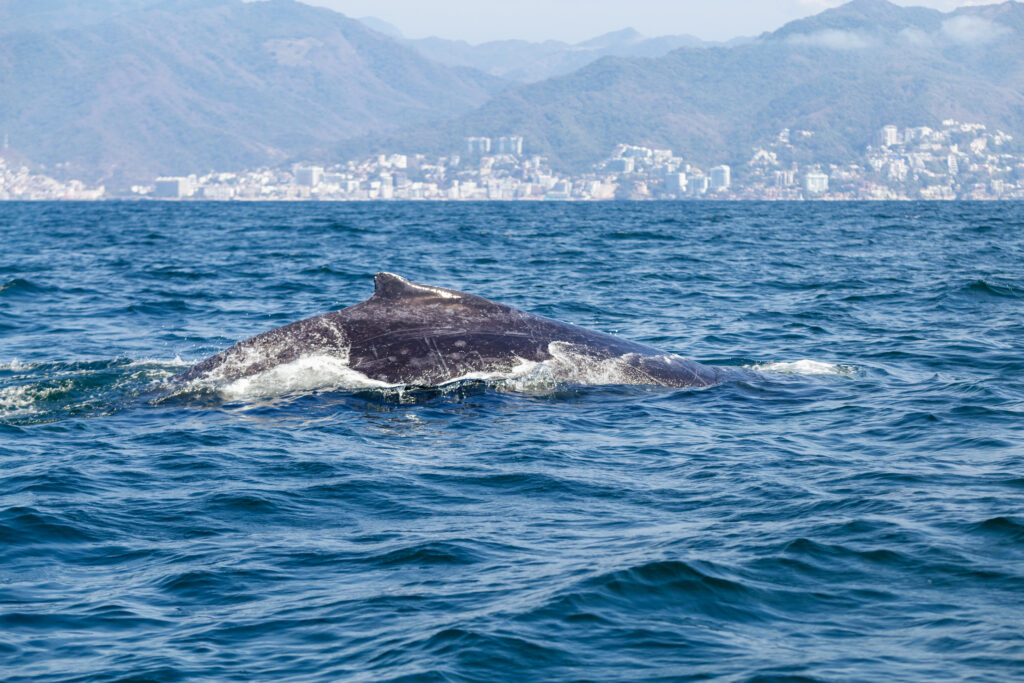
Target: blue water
x=855 y=514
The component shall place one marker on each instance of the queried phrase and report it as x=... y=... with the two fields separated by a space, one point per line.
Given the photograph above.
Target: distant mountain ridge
x=843 y=74
x=528 y=61
x=47 y=15
x=143 y=88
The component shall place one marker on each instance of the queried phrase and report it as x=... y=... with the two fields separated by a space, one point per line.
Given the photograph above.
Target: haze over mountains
x=528 y=62
x=134 y=88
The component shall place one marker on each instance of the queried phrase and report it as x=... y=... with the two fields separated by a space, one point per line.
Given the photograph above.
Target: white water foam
x=571 y=364
x=177 y=362
x=157 y=368
x=804 y=367
x=15 y=399
x=323 y=372
x=308 y=373
x=24 y=399
x=568 y=365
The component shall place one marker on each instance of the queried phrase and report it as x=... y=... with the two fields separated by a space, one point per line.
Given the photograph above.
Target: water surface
x=855 y=514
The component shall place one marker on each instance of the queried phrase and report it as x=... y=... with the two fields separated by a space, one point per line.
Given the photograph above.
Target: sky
x=574 y=20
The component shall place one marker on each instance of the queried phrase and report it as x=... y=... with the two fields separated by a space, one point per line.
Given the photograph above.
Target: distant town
x=956 y=161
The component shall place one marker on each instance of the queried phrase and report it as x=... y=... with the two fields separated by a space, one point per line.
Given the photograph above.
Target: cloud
x=917 y=37
x=832 y=39
x=947 y=5
x=968 y=30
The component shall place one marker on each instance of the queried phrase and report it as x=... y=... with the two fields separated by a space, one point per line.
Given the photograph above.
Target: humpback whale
x=408 y=334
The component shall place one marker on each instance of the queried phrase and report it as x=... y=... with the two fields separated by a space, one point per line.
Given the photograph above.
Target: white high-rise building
x=309 y=176
x=675 y=183
x=699 y=185
x=511 y=144
x=624 y=165
x=890 y=136
x=785 y=178
x=478 y=145
x=721 y=177
x=562 y=190
x=172 y=188
x=219 y=193
x=816 y=182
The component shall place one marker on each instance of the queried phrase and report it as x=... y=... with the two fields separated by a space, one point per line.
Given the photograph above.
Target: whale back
x=412 y=334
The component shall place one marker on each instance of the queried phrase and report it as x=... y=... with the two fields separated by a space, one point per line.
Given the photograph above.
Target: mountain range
x=127 y=89
x=123 y=90
x=842 y=74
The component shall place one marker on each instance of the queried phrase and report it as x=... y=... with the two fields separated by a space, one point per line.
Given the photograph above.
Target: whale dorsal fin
x=391 y=286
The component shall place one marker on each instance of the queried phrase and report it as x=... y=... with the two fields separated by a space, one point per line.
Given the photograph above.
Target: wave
x=23 y=526
x=443 y=553
x=48 y=392
x=976 y=290
x=17 y=366
x=1005 y=528
x=27 y=399
x=668 y=585
x=984 y=288
x=19 y=286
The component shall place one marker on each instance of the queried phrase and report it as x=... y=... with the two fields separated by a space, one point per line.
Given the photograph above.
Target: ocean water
x=856 y=512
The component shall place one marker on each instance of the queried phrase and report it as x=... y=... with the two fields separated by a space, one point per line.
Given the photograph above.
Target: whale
x=414 y=335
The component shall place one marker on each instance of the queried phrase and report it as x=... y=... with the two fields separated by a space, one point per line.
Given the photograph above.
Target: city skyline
x=958 y=160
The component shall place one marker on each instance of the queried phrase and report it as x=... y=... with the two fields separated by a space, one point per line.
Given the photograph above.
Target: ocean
x=854 y=510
